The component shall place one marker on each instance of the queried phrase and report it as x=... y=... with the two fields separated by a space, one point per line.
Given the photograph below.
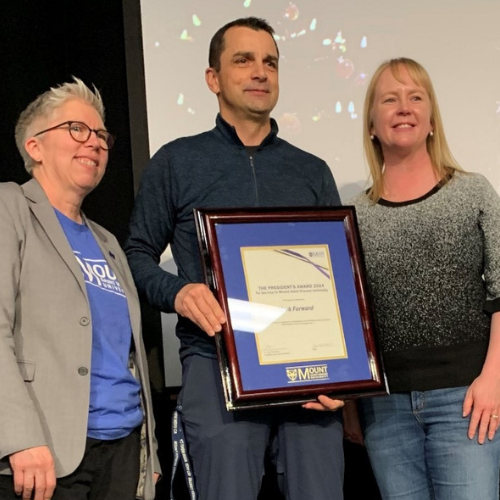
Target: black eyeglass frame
x=110 y=138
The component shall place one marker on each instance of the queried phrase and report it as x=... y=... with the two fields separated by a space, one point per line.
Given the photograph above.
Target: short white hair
x=45 y=104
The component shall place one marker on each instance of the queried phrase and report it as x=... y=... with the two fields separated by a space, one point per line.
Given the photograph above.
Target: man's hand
x=324 y=404
x=34 y=473
x=197 y=303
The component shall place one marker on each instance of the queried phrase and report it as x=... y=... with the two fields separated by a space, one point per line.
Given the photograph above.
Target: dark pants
x=228 y=449
x=109 y=471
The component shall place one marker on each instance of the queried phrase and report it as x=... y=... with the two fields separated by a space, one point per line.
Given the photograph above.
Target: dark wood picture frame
x=253 y=221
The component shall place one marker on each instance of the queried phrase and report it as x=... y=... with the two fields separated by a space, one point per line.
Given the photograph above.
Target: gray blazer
x=46 y=334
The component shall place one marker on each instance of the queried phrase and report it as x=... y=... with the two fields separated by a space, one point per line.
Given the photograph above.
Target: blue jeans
x=419 y=450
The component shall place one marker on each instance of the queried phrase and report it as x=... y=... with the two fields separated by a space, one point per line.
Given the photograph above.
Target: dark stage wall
x=44 y=43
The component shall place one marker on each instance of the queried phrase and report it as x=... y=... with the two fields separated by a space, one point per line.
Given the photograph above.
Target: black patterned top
x=433 y=267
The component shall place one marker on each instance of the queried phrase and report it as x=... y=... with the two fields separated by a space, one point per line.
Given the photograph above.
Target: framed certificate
x=291 y=283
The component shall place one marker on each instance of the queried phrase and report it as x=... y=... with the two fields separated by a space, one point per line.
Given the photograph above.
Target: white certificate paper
x=299 y=280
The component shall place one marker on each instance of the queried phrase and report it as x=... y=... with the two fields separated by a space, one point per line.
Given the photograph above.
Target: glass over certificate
x=299 y=281
x=292 y=285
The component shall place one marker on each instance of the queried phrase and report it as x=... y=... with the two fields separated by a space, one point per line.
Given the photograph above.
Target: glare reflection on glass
x=252 y=317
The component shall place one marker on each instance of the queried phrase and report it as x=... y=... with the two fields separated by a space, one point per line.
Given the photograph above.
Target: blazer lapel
x=44 y=213
x=117 y=261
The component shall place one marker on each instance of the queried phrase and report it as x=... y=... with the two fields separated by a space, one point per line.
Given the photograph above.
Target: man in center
x=239 y=163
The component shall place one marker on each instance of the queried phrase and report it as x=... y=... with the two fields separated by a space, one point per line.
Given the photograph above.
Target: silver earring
x=372 y=137
x=431 y=133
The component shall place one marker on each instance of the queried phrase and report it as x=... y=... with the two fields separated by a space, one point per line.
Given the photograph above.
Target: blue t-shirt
x=115 y=407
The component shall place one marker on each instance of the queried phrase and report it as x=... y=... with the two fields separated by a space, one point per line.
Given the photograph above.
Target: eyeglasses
x=80 y=132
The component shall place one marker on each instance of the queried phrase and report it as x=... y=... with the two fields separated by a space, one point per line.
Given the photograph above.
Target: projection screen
x=329 y=49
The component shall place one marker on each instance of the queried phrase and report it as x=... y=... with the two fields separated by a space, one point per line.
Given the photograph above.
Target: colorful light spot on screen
x=186 y=36
x=339 y=43
x=196 y=20
x=351 y=110
x=300 y=33
x=291 y=12
x=339 y=38
x=338 y=107
x=364 y=42
x=327 y=41
x=247 y=3
x=191 y=111
x=157 y=44
x=313 y=24
x=344 y=68
x=360 y=79
x=317 y=117
x=180 y=99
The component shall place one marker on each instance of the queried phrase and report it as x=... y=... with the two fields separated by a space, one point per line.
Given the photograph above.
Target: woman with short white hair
x=76 y=420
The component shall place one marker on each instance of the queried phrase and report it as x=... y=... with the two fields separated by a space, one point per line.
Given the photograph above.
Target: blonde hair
x=45 y=104
x=441 y=158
